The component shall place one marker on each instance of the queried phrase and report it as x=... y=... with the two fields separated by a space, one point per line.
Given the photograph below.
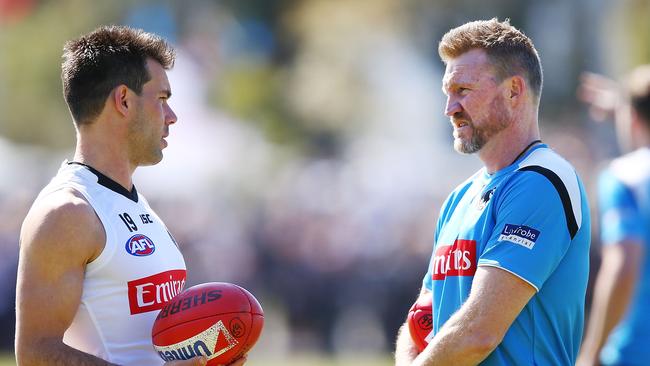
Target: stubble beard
x=497 y=121
x=143 y=148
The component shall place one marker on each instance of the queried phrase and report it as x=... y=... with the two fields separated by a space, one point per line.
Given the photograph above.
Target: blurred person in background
x=84 y=297
x=618 y=332
x=509 y=269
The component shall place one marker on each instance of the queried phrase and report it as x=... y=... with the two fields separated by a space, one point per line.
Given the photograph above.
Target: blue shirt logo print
x=519 y=234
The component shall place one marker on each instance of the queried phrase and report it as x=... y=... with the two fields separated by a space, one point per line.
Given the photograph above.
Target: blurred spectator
x=618 y=332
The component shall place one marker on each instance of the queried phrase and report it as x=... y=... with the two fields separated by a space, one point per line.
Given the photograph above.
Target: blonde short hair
x=510 y=51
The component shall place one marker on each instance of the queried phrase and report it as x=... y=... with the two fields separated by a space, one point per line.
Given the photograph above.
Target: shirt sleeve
x=620 y=218
x=427 y=281
x=530 y=235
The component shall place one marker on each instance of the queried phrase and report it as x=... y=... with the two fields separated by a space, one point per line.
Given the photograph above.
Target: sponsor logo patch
x=211 y=343
x=139 y=246
x=154 y=292
x=519 y=234
x=458 y=259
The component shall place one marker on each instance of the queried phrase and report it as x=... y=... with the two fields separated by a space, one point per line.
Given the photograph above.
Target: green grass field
x=320 y=361
x=8 y=360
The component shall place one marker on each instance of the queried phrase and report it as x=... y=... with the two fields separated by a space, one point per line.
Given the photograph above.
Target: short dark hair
x=510 y=51
x=638 y=90
x=97 y=62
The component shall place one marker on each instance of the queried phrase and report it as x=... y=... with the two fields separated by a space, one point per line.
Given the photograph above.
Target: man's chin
x=152 y=160
x=465 y=147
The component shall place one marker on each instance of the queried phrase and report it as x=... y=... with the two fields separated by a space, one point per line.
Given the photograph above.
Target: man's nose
x=452 y=107
x=171 y=116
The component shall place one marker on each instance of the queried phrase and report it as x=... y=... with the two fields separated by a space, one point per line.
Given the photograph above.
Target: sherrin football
x=420 y=321
x=219 y=320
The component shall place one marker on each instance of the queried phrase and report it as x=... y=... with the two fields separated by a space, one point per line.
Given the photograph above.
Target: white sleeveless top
x=139 y=270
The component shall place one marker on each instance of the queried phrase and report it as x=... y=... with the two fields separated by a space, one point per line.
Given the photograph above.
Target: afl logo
x=140 y=246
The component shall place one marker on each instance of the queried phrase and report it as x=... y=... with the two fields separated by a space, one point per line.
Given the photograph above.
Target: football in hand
x=420 y=321
x=221 y=321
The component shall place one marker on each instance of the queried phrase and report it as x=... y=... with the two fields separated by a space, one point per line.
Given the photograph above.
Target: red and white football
x=219 y=320
x=420 y=321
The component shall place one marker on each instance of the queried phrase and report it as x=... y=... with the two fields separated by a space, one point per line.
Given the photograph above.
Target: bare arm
x=59 y=236
x=617 y=278
x=405 y=349
x=476 y=329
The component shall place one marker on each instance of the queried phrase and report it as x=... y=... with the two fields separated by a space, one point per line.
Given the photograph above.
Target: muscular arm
x=476 y=329
x=617 y=278
x=59 y=236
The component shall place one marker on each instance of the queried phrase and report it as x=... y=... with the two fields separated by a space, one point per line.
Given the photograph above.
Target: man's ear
x=122 y=99
x=516 y=89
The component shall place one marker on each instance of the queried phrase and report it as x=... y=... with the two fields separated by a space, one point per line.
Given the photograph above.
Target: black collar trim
x=110 y=184
x=526 y=149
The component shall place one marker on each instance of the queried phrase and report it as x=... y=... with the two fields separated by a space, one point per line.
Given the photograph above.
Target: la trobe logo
x=140 y=245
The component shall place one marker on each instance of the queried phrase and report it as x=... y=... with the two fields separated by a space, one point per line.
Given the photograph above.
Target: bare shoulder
x=60 y=236
x=63 y=221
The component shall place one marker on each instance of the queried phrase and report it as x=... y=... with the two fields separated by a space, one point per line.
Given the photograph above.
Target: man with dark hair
x=618 y=332
x=509 y=269
x=96 y=263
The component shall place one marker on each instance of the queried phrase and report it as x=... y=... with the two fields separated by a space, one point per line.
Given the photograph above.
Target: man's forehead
x=471 y=66
x=158 y=74
x=461 y=73
x=154 y=66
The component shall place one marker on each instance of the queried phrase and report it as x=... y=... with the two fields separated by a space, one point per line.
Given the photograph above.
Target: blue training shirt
x=624 y=207
x=532 y=220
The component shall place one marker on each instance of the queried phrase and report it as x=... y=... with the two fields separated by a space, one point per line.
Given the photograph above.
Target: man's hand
x=405 y=349
x=201 y=361
x=476 y=329
x=239 y=362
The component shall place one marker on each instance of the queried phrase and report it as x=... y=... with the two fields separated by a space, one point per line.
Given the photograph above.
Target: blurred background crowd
x=312 y=153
